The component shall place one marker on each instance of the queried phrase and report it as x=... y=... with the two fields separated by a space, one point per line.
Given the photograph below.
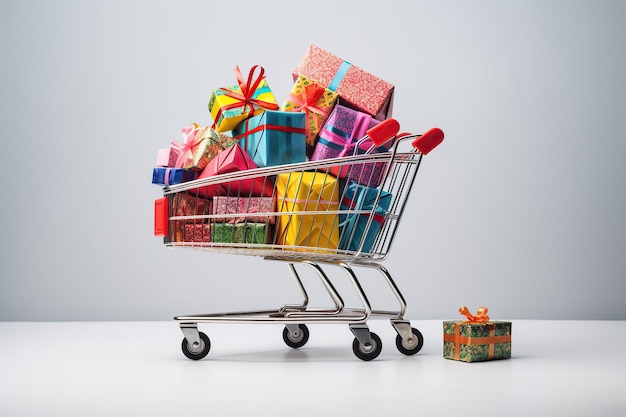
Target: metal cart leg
x=330 y=288
x=296 y=307
x=394 y=289
x=367 y=308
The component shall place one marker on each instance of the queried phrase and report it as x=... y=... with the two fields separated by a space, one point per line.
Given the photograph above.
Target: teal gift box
x=273 y=137
x=352 y=230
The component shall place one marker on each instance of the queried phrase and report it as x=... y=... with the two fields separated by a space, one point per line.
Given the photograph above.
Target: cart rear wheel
x=367 y=353
x=298 y=338
x=413 y=346
x=199 y=351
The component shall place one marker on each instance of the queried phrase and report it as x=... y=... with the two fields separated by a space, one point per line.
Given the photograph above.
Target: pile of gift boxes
x=329 y=109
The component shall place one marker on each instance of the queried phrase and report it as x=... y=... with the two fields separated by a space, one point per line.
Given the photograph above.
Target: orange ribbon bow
x=480 y=317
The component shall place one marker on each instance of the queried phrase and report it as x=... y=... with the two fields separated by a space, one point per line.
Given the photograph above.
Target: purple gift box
x=341 y=136
x=343 y=127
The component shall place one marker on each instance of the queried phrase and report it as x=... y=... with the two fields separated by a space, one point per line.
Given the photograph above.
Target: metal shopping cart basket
x=342 y=212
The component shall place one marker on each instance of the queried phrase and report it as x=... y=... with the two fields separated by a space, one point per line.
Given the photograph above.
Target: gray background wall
x=521 y=208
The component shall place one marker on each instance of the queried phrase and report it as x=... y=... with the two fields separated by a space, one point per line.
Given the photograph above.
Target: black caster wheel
x=298 y=338
x=367 y=353
x=197 y=352
x=413 y=346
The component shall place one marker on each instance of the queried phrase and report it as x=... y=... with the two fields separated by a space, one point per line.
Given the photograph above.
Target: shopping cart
x=342 y=212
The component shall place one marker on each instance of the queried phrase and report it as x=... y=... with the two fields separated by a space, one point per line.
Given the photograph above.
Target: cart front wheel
x=412 y=346
x=199 y=351
x=297 y=338
x=367 y=353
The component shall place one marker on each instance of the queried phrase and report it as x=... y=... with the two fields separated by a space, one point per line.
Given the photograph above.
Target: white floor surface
x=558 y=368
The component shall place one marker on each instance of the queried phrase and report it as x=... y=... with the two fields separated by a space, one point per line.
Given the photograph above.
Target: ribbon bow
x=480 y=317
x=247 y=91
x=307 y=99
x=185 y=150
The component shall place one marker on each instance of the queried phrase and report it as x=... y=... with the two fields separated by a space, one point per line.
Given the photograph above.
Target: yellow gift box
x=232 y=105
x=302 y=192
x=316 y=101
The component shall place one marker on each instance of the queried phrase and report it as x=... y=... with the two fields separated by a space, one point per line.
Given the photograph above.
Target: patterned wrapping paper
x=273 y=138
x=476 y=339
x=356 y=87
x=210 y=143
x=343 y=127
x=315 y=101
x=186 y=204
x=353 y=226
x=250 y=233
x=197 y=232
x=303 y=192
x=231 y=105
x=234 y=159
x=170 y=176
x=339 y=137
x=246 y=209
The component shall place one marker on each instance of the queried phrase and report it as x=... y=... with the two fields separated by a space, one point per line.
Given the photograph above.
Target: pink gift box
x=234 y=159
x=356 y=87
x=166 y=158
x=244 y=209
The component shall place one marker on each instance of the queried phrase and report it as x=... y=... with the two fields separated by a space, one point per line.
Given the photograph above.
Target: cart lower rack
x=341 y=212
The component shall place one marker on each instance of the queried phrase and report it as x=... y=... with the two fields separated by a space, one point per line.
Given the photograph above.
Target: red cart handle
x=429 y=140
x=383 y=131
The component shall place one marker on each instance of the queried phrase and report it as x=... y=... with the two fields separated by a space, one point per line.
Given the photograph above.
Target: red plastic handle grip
x=429 y=140
x=160 y=217
x=383 y=131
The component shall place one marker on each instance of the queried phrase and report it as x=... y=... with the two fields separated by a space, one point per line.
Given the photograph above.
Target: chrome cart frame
x=391 y=177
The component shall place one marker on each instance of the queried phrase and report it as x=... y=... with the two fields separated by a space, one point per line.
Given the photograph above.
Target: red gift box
x=234 y=159
x=186 y=204
x=197 y=232
x=356 y=87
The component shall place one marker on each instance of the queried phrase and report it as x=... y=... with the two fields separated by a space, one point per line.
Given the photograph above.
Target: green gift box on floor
x=476 y=339
x=240 y=233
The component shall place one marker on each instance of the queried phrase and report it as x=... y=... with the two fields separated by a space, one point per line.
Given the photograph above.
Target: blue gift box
x=273 y=137
x=352 y=226
x=169 y=176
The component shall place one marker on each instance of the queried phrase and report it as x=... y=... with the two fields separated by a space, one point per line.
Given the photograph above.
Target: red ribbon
x=351 y=205
x=260 y=128
x=247 y=91
x=307 y=99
